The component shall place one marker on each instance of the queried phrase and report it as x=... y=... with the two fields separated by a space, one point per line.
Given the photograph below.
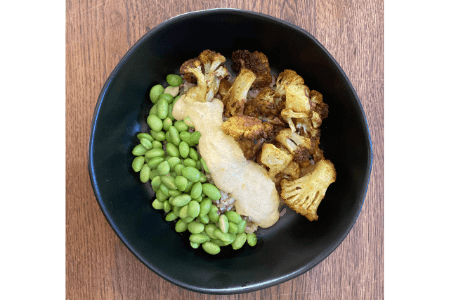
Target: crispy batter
x=234 y=100
x=305 y=194
x=257 y=62
x=244 y=127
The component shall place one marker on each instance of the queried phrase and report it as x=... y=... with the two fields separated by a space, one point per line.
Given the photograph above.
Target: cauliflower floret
x=244 y=127
x=257 y=62
x=234 y=100
x=288 y=115
x=224 y=86
x=300 y=147
x=293 y=170
x=305 y=194
x=275 y=159
x=305 y=127
x=208 y=71
x=262 y=106
x=287 y=77
x=319 y=109
x=250 y=147
x=297 y=98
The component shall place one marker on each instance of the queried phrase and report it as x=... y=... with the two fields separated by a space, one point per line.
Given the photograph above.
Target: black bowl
x=293 y=245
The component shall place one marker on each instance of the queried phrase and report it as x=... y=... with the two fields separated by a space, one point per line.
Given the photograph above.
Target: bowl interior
x=293 y=245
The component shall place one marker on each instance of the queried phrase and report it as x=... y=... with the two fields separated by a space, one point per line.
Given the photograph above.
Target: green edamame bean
x=170 y=116
x=157 y=145
x=203 y=178
x=204 y=219
x=198 y=165
x=153 y=174
x=155 y=123
x=166 y=206
x=196 y=227
x=163 y=168
x=225 y=237
x=205 y=167
x=173 y=161
x=184 y=149
x=178 y=169
x=240 y=240
x=233 y=238
x=155 y=92
x=176 y=210
x=194 y=245
x=193 y=154
x=211 y=248
x=181 y=126
x=156 y=183
x=160 y=195
x=176 y=99
x=192 y=174
x=211 y=191
x=156 y=204
x=158 y=135
x=193 y=209
x=167 y=97
x=196 y=190
x=188 y=219
x=209 y=230
x=180 y=226
x=219 y=243
x=171 y=216
x=181 y=200
x=144 y=135
x=195 y=137
x=189 y=162
x=233 y=217
x=199 y=199
x=153 y=111
x=139 y=150
x=251 y=239
x=172 y=150
x=154 y=153
x=189 y=187
x=168 y=139
x=164 y=189
x=169 y=182
x=184 y=212
x=154 y=162
x=181 y=183
x=241 y=226
x=174 y=193
x=185 y=136
x=167 y=123
x=174 y=135
x=162 y=108
x=205 y=206
x=199 y=238
x=188 y=122
x=223 y=223
x=174 y=80
x=144 y=174
x=232 y=228
x=213 y=215
x=138 y=163
x=146 y=143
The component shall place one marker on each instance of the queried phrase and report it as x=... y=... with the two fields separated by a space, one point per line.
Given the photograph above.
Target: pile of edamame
x=182 y=190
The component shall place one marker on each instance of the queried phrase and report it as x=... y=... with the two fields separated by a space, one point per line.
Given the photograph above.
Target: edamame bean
x=166 y=206
x=163 y=168
x=168 y=139
x=154 y=162
x=192 y=174
x=154 y=153
x=193 y=154
x=188 y=122
x=199 y=238
x=218 y=242
x=251 y=239
x=205 y=167
x=196 y=190
x=138 y=163
x=196 y=227
x=194 y=245
x=155 y=123
x=172 y=150
x=176 y=210
x=209 y=230
x=171 y=216
x=172 y=90
x=241 y=226
x=167 y=123
x=184 y=212
x=203 y=178
x=156 y=183
x=188 y=219
x=211 y=248
x=213 y=215
x=189 y=162
x=180 y=226
x=153 y=174
x=158 y=135
x=176 y=99
x=232 y=228
x=174 y=135
x=204 y=219
x=144 y=135
x=181 y=126
x=144 y=174
x=199 y=199
x=205 y=206
x=189 y=187
x=184 y=149
x=160 y=195
x=198 y=165
x=157 y=145
x=163 y=108
x=233 y=217
x=193 y=209
x=210 y=190
x=181 y=183
x=156 y=204
x=155 y=92
x=140 y=150
x=164 y=189
x=178 y=169
x=185 y=136
x=174 y=80
x=169 y=182
x=181 y=200
x=223 y=223
x=240 y=240
x=153 y=111
x=174 y=193
x=225 y=237
x=167 y=97
x=146 y=143
x=195 y=137
x=173 y=161
x=170 y=116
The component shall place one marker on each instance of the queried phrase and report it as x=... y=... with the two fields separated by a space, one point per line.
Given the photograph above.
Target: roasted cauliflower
x=257 y=62
x=275 y=159
x=262 y=106
x=305 y=194
x=234 y=100
x=287 y=77
x=244 y=127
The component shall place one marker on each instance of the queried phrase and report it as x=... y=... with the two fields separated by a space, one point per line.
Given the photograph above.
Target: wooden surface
x=100 y=32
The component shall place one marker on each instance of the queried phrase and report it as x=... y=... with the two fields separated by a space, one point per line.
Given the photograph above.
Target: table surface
x=99 y=33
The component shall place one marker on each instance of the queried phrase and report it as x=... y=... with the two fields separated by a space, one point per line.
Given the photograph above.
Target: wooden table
x=98 y=265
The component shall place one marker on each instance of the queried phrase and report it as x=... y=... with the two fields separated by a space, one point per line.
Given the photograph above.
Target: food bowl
x=293 y=245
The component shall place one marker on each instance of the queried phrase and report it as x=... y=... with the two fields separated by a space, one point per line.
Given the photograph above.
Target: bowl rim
x=255 y=286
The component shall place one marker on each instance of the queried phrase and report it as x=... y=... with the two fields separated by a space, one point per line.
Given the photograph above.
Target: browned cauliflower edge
x=257 y=62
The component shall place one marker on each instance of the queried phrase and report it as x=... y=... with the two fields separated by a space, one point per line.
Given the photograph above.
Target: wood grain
x=98 y=34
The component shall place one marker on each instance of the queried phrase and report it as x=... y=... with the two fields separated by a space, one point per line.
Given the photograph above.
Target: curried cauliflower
x=288 y=115
x=297 y=98
x=319 y=109
x=275 y=159
x=293 y=170
x=234 y=100
x=244 y=127
x=287 y=77
x=305 y=194
x=208 y=71
x=257 y=62
x=262 y=106
x=299 y=146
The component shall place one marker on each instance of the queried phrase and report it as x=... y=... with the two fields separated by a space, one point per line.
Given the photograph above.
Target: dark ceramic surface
x=293 y=245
